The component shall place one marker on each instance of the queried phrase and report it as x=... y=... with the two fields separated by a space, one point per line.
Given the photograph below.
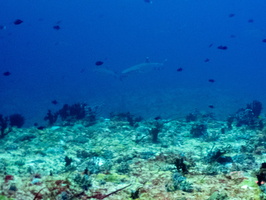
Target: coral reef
x=69 y=114
x=198 y=130
x=248 y=116
x=130 y=118
x=6 y=123
x=156 y=129
x=117 y=159
x=16 y=120
x=3 y=126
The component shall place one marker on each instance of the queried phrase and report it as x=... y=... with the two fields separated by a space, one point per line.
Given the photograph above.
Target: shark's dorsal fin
x=147 y=60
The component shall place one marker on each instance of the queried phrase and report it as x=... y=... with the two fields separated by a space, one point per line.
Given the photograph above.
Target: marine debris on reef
x=127 y=157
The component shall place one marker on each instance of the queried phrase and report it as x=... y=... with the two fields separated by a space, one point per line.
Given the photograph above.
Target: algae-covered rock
x=5 y=198
x=250 y=184
x=218 y=196
x=114 y=177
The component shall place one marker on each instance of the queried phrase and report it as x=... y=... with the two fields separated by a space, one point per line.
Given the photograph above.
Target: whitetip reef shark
x=104 y=70
x=143 y=67
x=147 y=66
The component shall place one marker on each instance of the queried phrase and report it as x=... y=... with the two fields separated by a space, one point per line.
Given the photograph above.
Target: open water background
x=48 y=64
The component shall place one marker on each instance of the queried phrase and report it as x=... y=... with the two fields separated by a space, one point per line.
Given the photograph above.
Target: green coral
x=218 y=196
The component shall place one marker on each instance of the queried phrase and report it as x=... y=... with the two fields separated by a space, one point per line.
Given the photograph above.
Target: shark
x=143 y=67
x=107 y=71
x=147 y=66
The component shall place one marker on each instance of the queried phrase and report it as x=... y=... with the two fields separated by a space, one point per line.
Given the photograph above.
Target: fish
x=54 y=102
x=148 y=1
x=264 y=40
x=207 y=60
x=7 y=73
x=143 y=67
x=56 y=27
x=250 y=20
x=2 y=27
x=211 y=106
x=222 y=47
x=41 y=127
x=211 y=80
x=179 y=69
x=158 y=118
x=99 y=63
x=17 y=21
x=231 y=15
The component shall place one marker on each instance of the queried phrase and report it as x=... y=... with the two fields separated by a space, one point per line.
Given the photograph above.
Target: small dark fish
x=99 y=63
x=210 y=45
x=157 y=118
x=232 y=36
x=41 y=127
x=17 y=21
x=56 y=27
x=222 y=47
x=211 y=106
x=7 y=73
x=250 y=20
x=207 y=60
x=54 y=102
x=179 y=69
x=2 y=27
x=148 y=1
x=264 y=40
x=35 y=124
x=231 y=15
x=211 y=80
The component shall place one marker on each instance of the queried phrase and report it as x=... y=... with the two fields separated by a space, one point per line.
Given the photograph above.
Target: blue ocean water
x=48 y=64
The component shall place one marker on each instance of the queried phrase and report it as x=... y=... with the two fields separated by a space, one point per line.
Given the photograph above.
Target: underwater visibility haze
x=52 y=55
x=113 y=97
